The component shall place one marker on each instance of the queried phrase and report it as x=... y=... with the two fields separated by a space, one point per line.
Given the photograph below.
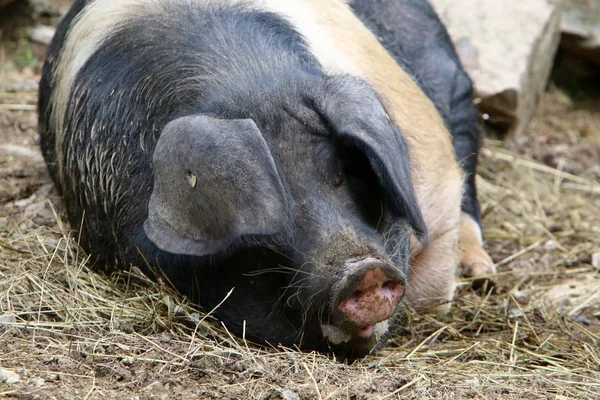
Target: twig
x=18 y=107
x=436 y=333
x=514 y=339
x=536 y=166
x=203 y=319
x=403 y=387
x=89 y=394
x=519 y=253
x=314 y=381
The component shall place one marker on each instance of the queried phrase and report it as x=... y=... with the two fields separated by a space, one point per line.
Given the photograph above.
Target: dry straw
x=535 y=335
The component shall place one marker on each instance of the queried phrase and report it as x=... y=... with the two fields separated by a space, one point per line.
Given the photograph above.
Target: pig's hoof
x=478 y=269
x=476 y=263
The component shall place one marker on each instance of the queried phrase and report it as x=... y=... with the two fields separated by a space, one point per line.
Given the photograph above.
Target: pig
x=306 y=165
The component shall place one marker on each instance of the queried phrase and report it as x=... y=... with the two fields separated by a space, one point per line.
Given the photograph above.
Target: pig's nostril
x=392 y=290
x=387 y=289
x=355 y=297
x=389 y=285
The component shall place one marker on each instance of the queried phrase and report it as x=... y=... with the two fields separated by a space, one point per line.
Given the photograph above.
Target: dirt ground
x=69 y=333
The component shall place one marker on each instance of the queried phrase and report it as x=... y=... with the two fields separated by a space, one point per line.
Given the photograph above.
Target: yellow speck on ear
x=192 y=179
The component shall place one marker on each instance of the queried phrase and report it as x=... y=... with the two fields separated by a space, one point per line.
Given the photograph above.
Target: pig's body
x=271 y=146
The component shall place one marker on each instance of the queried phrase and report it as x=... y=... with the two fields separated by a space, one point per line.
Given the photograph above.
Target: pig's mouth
x=351 y=344
x=368 y=335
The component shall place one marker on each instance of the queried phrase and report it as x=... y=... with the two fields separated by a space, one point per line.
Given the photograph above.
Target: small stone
x=155 y=386
x=289 y=395
x=52 y=377
x=515 y=313
x=42 y=34
x=583 y=320
x=38 y=382
x=8 y=318
x=126 y=327
x=127 y=361
x=596 y=260
x=38 y=209
x=9 y=377
x=474 y=381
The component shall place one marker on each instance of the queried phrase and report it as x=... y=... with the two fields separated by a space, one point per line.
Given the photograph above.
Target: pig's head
x=306 y=207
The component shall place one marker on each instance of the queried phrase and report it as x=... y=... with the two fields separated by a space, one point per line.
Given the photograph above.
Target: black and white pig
x=302 y=152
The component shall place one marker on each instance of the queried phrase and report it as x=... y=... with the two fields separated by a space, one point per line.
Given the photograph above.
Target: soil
x=69 y=333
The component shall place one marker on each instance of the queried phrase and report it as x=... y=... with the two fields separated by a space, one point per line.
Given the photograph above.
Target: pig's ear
x=356 y=115
x=215 y=182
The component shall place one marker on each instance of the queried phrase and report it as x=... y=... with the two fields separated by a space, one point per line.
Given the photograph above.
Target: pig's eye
x=329 y=165
x=363 y=183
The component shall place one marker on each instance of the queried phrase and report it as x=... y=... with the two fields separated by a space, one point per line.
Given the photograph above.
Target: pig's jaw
x=337 y=335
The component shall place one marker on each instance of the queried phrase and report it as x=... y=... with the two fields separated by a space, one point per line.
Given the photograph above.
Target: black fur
x=412 y=32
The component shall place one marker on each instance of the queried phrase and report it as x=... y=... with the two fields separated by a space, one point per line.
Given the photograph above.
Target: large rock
x=581 y=28
x=507 y=47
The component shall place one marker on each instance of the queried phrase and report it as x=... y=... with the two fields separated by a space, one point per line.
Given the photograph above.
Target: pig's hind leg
x=466 y=138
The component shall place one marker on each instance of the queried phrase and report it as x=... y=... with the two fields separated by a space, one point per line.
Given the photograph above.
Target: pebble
x=126 y=327
x=515 y=313
x=42 y=34
x=8 y=319
x=582 y=319
x=127 y=361
x=39 y=382
x=289 y=395
x=9 y=377
x=596 y=260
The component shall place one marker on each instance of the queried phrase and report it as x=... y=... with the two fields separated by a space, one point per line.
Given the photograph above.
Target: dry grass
x=72 y=333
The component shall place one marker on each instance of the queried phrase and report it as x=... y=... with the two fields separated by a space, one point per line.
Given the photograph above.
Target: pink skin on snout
x=375 y=299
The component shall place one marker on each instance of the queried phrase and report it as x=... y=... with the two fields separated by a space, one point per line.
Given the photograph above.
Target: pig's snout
x=369 y=293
